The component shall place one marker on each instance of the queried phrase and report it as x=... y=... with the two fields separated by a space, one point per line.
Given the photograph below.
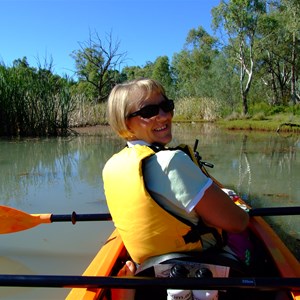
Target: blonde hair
x=123 y=97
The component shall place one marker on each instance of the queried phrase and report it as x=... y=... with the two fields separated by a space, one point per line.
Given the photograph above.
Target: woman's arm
x=216 y=208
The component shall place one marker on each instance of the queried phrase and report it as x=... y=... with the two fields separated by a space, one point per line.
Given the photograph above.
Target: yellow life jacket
x=145 y=227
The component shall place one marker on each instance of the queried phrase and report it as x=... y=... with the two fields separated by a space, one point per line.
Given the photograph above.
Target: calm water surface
x=62 y=175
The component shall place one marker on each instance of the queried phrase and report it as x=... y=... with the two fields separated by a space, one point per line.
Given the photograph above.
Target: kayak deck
x=104 y=264
x=113 y=255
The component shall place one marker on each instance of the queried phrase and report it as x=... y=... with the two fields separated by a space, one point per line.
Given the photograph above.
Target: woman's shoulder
x=166 y=158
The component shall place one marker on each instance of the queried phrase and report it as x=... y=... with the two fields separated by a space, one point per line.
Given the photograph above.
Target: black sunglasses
x=152 y=110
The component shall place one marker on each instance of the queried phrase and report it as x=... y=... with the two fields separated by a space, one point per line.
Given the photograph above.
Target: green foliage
x=260 y=107
x=96 y=66
x=86 y=113
x=131 y=73
x=294 y=109
x=161 y=72
x=33 y=102
x=192 y=108
x=239 y=20
x=259 y=116
x=271 y=123
x=253 y=72
x=277 y=109
x=192 y=67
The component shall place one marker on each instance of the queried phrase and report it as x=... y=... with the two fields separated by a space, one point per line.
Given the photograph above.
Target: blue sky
x=146 y=29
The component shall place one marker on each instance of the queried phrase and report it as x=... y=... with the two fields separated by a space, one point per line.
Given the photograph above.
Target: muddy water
x=62 y=175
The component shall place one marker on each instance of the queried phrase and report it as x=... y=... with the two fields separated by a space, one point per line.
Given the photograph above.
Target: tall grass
x=33 y=102
x=86 y=113
x=186 y=109
x=195 y=109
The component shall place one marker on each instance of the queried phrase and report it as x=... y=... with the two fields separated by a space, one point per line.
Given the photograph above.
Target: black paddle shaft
x=275 y=283
x=275 y=211
x=264 y=211
x=80 y=217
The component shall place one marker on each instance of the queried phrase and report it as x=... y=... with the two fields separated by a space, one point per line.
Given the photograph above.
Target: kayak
x=282 y=263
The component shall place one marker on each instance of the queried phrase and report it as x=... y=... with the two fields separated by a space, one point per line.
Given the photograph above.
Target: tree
x=161 y=72
x=278 y=61
x=292 y=25
x=225 y=82
x=239 y=18
x=96 y=63
x=192 y=66
x=272 y=66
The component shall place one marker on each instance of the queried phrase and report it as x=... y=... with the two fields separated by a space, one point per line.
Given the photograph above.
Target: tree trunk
x=245 y=103
x=293 y=75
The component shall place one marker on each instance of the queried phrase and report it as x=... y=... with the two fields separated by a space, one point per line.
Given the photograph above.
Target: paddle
x=268 y=283
x=13 y=220
x=275 y=211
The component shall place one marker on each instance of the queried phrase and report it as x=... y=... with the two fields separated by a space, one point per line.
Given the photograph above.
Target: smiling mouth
x=161 y=128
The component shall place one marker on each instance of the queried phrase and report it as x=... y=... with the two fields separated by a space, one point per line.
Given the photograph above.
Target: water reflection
x=28 y=166
x=64 y=174
x=263 y=167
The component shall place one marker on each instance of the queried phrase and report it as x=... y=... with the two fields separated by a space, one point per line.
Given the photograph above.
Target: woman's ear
x=127 y=123
x=132 y=135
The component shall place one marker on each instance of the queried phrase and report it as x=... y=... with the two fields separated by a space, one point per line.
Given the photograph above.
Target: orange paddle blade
x=13 y=220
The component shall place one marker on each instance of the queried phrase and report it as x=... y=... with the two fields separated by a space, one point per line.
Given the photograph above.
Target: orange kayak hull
x=105 y=262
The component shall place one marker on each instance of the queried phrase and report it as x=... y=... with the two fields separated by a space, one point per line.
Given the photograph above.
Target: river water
x=62 y=175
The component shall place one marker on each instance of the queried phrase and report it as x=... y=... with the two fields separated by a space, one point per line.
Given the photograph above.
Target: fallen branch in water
x=287 y=124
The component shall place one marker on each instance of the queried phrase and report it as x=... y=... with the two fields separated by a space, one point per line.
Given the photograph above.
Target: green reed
x=33 y=102
x=196 y=109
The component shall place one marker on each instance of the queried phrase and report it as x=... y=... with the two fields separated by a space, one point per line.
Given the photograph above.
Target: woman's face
x=157 y=129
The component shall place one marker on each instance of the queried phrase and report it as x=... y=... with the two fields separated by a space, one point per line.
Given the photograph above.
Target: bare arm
x=217 y=209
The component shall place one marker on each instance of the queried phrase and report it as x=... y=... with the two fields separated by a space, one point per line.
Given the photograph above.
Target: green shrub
x=259 y=116
x=277 y=109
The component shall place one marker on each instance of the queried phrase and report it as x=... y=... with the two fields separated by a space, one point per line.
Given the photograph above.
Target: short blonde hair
x=124 y=96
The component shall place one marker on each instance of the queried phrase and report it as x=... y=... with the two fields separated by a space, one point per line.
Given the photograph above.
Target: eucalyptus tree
x=272 y=65
x=192 y=66
x=278 y=62
x=291 y=12
x=162 y=72
x=239 y=20
x=134 y=72
x=96 y=64
x=159 y=70
x=225 y=83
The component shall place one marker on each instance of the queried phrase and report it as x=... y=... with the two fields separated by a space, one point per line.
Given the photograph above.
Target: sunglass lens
x=167 y=106
x=149 y=111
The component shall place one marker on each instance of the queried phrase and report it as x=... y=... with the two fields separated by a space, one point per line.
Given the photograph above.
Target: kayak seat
x=213 y=256
x=260 y=267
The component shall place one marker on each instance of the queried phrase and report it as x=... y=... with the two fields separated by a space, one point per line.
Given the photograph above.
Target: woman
x=155 y=197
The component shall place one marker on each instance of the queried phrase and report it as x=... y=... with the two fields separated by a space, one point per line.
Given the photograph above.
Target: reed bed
x=86 y=113
x=33 y=102
x=186 y=109
x=195 y=109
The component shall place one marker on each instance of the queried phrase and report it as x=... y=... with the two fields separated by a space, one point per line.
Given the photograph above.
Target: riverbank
x=268 y=124
x=278 y=124
x=91 y=130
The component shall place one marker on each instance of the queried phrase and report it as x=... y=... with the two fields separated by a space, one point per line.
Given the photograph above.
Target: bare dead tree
x=98 y=63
